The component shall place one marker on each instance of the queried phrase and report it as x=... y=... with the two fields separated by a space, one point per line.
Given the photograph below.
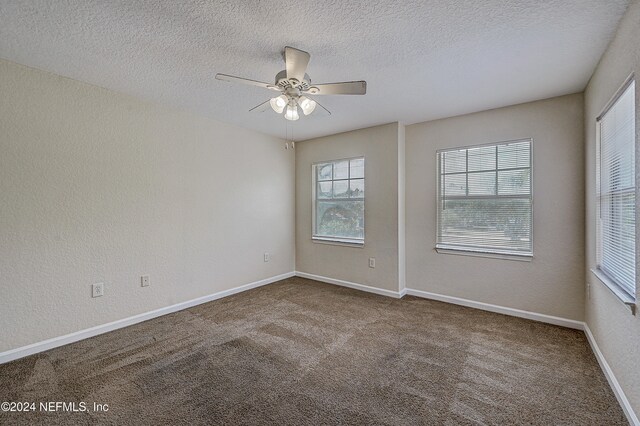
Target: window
x=616 y=192
x=338 y=201
x=484 y=199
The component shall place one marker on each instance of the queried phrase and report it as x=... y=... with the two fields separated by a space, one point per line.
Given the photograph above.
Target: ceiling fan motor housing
x=285 y=83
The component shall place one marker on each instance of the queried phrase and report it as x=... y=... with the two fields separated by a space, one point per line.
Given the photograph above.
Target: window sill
x=622 y=295
x=504 y=256
x=338 y=242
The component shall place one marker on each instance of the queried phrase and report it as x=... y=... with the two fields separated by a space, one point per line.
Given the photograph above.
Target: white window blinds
x=484 y=198
x=615 y=192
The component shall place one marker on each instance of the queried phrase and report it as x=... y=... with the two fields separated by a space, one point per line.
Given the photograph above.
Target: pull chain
x=286 y=133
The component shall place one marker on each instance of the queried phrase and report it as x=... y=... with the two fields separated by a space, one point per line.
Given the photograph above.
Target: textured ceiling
x=422 y=59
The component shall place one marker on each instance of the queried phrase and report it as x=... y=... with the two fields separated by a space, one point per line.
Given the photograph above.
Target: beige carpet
x=301 y=352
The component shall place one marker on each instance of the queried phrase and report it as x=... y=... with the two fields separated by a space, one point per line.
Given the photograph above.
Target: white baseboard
x=564 y=322
x=611 y=378
x=349 y=284
x=55 y=342
x=34 y=348
x=549 y=319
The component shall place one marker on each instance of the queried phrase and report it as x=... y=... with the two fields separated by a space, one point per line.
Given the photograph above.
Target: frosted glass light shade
x=292 y=112
x=307 y=105
x=278 y=103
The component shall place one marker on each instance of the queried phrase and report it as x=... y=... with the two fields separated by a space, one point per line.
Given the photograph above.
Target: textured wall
x=402 y=190
x=614 y=328
x=553 y=282
x=379 y=146
x=100 y=187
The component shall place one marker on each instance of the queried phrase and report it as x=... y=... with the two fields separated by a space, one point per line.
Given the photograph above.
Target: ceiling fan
x=294 y=86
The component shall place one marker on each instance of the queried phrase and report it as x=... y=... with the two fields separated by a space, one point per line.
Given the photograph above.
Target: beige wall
x=96 y=186
x=402 y=225
x=616 y=331
x=553 y=282
x=379 y=146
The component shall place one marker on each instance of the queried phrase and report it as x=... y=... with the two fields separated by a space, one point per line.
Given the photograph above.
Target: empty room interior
x=356 y=213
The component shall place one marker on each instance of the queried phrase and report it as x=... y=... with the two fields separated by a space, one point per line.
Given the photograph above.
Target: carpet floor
x=301 y=352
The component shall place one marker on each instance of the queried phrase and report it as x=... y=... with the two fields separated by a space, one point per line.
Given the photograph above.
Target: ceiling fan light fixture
x=307 y=105
x=278 y=103
x=292 y=112
x=292 y=83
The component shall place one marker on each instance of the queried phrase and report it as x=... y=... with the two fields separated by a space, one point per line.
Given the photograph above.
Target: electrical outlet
x=266 y=257
x=97 y=290
x=372 y=262
x=145 y=281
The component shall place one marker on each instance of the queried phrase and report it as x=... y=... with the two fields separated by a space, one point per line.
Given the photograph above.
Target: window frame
x=489 y=253
x=343 y=241
x=618 y=290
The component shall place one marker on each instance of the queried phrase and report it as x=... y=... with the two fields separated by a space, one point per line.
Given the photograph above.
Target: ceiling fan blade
x=262 y=107
x=233 y=79
x=296 y=62
x=345 y=88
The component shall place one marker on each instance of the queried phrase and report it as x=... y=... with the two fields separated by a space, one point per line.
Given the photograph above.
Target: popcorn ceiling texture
x=422 y=59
